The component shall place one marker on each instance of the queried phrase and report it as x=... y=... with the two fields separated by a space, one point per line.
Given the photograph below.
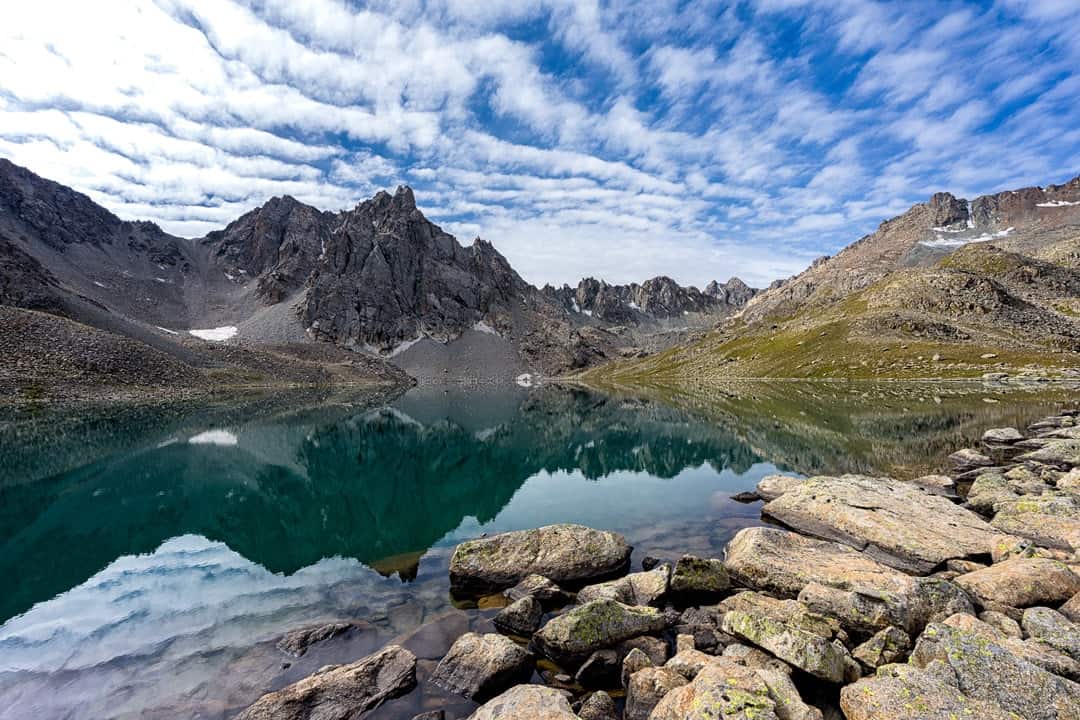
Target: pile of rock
x=912 y=599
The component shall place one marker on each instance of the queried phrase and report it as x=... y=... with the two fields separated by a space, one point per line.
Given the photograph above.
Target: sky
x=698 y=140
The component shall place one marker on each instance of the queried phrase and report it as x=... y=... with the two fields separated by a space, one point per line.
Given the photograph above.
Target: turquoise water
x=157 y=552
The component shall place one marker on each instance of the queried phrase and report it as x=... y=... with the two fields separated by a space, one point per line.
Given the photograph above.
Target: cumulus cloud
x=699 y=140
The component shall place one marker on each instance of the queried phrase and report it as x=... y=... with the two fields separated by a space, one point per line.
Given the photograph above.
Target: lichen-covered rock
x=688 y=663
x=549 y=594
x=1051 y=628
x=1021 y=582
x=1062 y=454
x=643 y=588
x=480 y=666
x=905 y=692
x=1002 y=623
x=1070 y=481
x=340 y=692
x=790 y=632
x=570 y=638
x=527 y=702
x=1071 y=608
x=521 y=617
x=699 y=578
x=836 y=580
x=893 y=522
x=1051 y=519
x=789 y=704
x=1033 y=651
x=561 y=553
x=887 y=646
x=771 y=487
x=598 y=706
x=635 y=660
x=988 y=490
x=646 y=688
x=722 y=690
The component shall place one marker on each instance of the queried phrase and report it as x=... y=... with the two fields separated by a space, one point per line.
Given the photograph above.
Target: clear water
x=154 y=554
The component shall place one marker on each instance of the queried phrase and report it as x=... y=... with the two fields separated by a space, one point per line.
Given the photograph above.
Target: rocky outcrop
x=480 y=666
x=340 y=692
x=659 y=298
x=561 y=553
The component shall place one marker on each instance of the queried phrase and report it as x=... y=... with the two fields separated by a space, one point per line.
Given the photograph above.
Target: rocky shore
x=943 y=597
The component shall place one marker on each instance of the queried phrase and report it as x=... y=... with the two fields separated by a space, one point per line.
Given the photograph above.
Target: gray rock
x=598 y=706
x=1071 y=608
x=647 y=687
x=527 y=702
x=699 y=578
x=1002 y=436
x=887 y=646
x=1062 y=454
x=688 y=663
x=561 y=553
x=1054 y=629
x=655 y=648
x=967 y=459
x=721 y=690
x=893 y=522
x=771 y=487
x=1035 y=652
x=481 y=666
x=549 y=594
x=1002 y=623
x=1051 y=520
x=635 y=660
x=570 y=638
x=342 y=691
x=521 y=617
x=644 y=588
x=937 y=484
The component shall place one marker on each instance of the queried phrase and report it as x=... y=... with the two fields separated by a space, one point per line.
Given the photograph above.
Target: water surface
x=159 y=551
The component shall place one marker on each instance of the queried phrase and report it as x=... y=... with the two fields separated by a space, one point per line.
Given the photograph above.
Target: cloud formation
x=698 y=140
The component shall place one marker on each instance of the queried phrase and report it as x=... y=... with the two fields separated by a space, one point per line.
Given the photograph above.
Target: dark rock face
x=655 y=299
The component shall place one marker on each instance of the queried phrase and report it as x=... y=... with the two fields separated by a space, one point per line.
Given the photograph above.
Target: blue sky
x=694 y=139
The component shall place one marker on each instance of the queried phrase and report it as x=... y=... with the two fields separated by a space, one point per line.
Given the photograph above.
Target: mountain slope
x=950 y=288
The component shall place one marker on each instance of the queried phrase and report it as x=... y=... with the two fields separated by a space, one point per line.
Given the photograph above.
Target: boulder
x=635 y=660
x=598 y=706
x=643 y=588
x=790 y=632
x=1035 y=652
x=521 y=617
x=655 y=648
x=1070 y=481
x=771 y=487
x=688 y=663
x=1002 y=623
x=481 y=666
x=893 y=522
x=561 y=553
x=789 y=704
x=570 y=638
x=527 y=702
x=905 y=692
x=1062 y=454
x=646 y=688
x=1051 y=519
x=887 y=646
x=988 y=490
x=342 y=691
x=549 y=594
x=1050 y=627
x=722 y=690
x=967 y=459
x=699 y=578
x=996 y=437
x=1021 y=582
x=1071 y=608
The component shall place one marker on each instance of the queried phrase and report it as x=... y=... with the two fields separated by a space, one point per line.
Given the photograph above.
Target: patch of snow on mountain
x=215 y=334
x=943 y=242
x=224 y=438
x=485 y=328
x=1057 y=203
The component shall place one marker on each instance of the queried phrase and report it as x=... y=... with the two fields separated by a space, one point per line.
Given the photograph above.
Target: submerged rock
x=297 y=642
x=480 y=666
x=527 y=702
x=561 y=553
x=342 y=691
x=892 y=522
x=1021 y=583
x=570 y=638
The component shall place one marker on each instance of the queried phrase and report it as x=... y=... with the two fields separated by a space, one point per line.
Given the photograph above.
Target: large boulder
x=561 y=553
x=1062 y=454
x=527 y=702
x=1051 y=520
x=480 y=666
x=570 y=638
x=771 y=487
x=834 y=579
x=340 y=692
x=1032 y=650
x=643 y=588
x=1021 y=582
x=722 y=690
x=893 y=522
x=905 y=692
x=791 y=632
x=697 y=578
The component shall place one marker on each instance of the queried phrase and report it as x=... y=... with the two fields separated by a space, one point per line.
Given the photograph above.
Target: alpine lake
x=154 y=554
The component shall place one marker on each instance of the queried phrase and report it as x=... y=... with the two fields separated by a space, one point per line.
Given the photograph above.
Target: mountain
x=950 y=288
x=291 y=293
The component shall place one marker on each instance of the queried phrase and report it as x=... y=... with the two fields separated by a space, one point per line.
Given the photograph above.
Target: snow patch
x=224 y=438
x=1057 y=203
x=215 y=334
x=483 y=327
x=944 y=242
x=573 y=304
x=524 y=380
x=167 y=330
x=587 y=312
x=634 y=305
x=161 y=280
x=231 y=277
x=101 y=285
x=402 y=347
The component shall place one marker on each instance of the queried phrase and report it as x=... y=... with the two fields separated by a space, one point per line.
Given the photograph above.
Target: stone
x=1051 y=520
x=1071 y=608
x=1070 y=481
x=789 y=704
x=646 y=688
x=771 y=487
x=598 y=706
x=570 y=638
x=635 y=660
x=561 y=553
x=937 y=484
x=1002 y=436
x=688 y=663
x=1051 y=628
x=988 y=490
x=704 y=626
x=481 y=666
x=656 y=649
x=905 y=692
x=600 y=670
x=752 y=657
x=790 y=632
x=887 y=646
x=297 y=642
x=342 y=691
x=864 y=594
x=527 y=702
x=892 y=522
x=699 y=578
x=684 y=641
x=1062 y=454
x=549 y=594
x=1035 y=652
x=967 y=459
x=1002 y=623
x=643 y=588
x=1021 y=583
x=521 y=617
x=722 y=690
